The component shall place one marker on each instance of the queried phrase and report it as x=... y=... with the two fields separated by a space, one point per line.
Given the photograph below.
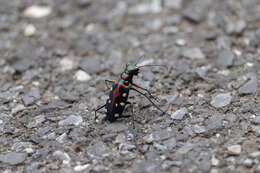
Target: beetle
x=118 y=96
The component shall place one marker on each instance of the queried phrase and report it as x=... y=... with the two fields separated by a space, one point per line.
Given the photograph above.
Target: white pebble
x=37 y=11
x=81 y=75
x=29 y=30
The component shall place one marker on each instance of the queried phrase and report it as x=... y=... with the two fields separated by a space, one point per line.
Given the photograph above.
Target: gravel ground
x=56 y=54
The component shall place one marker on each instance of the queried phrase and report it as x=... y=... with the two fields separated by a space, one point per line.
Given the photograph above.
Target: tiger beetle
x=118 y=95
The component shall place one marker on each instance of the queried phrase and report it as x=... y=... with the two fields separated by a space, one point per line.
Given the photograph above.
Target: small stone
x=170 y=143
x=170 y=30
x=236 y=27
x=80 y=168
x=67 y=64
x=225 y=58
x=179 y=114
x=257 y=169
x=176 y=4
x=152 y=6
x=180 y=42
x=234 y=149
x=214 y=122
x=214 y=161
x=100 y=169
x=71 y=120
x=120 y=138
x=62 y=156
x=29 y=30
x=99 y=149
x=91 y=65
x=198 y=129
x=31 y=97
x=248 y=163
x=224 y=42
x=196 y=11
x=250 y=87
x=80 y=75
x=126 y=147
x=13 y=158
x=159 y=135
x=37 y=11
x=221 y=100
x=193 y=53
x=256 y=120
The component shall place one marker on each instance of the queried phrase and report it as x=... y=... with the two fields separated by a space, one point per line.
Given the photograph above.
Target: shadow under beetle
x=118 y=95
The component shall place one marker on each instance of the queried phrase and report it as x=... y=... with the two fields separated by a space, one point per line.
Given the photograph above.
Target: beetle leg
x=109 y=81
x=146 y=90
x=98 y=110
x=156 y=106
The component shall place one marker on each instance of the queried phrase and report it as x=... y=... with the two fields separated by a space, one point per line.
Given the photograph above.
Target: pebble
x=221 y=100
x=225 y=58
x=30 y=97
x=90 y=65
x=13 y=158
x=234 y=149
x=159 y=135
x=250 y=87
x=196 y=11
x=29 y=30
x=82 y=76
x=176 y=4
x=180 y=42
x=214 y=122
x=71 y=120
x=80 y=168
x=256 y=120
x=67 y=63
x=152 y=6
x=193 y=53
x=257 y=169
x=99 y=149
x=236 y=27
x=37 y=11
x=170 y=30
x=179 y=114
x=62 y=156
x=248 y=163
x=214 y=161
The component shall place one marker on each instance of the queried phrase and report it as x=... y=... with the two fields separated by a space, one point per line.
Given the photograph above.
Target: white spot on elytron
x=124 y=94
x=109 y=101
x=116 y=115
x=122 y=104
x=116 y=104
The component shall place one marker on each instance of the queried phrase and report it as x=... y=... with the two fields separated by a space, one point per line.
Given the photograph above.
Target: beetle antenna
x=153 y=66
x=139 y=59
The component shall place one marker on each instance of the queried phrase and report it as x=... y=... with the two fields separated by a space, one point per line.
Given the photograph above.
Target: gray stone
x=62 y=156
x=196 y=11
x=99 y=149
x=180 y=42
x=256 y=120
x=30 y=97
x=193 y=53
x=250 y=87
x=224 y=42
x=179 y=114
x=198 y=129
x=221 y=100
x=234 y=149
x=236 y=27
x=146 y=166
x=176 y=4
x=91 y=65
x=159 y=135
x=225 y=58
x=170 y=143
x=214 y=122
x=71 y=120
x=248 y=163
x=13 y=158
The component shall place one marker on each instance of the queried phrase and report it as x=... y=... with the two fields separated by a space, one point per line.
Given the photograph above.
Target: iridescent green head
x=131 y=69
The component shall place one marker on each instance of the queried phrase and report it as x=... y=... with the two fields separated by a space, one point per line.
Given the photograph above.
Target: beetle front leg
x=146 y=90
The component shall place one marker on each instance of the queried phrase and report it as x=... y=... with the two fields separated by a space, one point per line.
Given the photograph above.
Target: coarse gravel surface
x=56 y=55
